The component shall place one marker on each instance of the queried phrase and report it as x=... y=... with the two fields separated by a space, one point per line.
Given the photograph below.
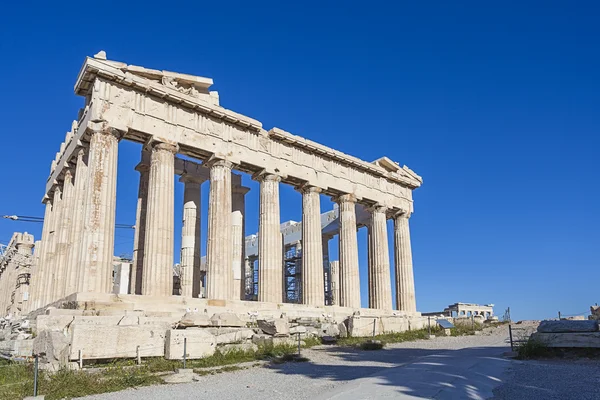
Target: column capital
x=306 y=188
x=218 y=162
x=345 y=198
x=162 y=146
x=405 y=214
x=263 y=176
x=104 y=129
x=378 y=208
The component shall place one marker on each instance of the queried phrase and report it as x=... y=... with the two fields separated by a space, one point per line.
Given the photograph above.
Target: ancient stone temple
x=175 y=115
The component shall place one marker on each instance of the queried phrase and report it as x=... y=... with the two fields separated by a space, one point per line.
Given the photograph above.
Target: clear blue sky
x=496 y=106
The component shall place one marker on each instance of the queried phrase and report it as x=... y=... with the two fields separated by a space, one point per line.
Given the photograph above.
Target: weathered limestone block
x=568 y=339
x=329 y=329
x=61 y=311
x=53 y=322
x=363 y=326
x=394 y=324
x=275 y=327
x=17 y=348
x=50 y=345
x=246 y=347
x=199 y=344
x=567 y=326
x=287 y=341
x=230 y=335
x=343 y=330
x=129 y=320
x=97 y=341
x=163 y=321
x=227 y=319
x=262 y=340
x=110 y=320
x=195 y=319
x=297 y=329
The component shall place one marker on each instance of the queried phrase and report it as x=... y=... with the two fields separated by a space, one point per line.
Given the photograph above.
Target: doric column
x=24 y=246
x=238 y=208
x=380 y=289
x=190 y=238
x=157 y=274
x=270 y=257
x=313 y=292
x=405 y=283
x=50 y=286
x=63 y=236
x=77 y=226
x=219 y=246
x=348 y=250
x=33 y=279
x=139 y=238
x=335 y=282
x=98 y=237
x=40 y=279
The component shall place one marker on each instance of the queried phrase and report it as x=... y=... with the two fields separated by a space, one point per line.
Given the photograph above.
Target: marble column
x=313 y=292
x=41 y=278
x=270 y=256
x=63 y=242
x=380 y=289
x=24 y=247
x=237 y=234
x=33 y=281
x=335 y=282
x=157 y=274
x=139 y=238
x=98 y=236
x=238 y=205
x=49 y=287
x=77 y=226
x=405 y=284
x=190 y=238
x=349 y=292
x=219 y=245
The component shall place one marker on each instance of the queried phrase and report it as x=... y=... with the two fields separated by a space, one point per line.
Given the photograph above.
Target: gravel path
x=328 y=371
x=469 y=367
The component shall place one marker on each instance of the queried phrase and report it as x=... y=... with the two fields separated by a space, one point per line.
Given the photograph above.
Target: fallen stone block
x=297 y=329
x=568 y=339
x=275 y=327
x=232 y=335
x=262 y=339
x=195 y=319
x=227 y=319
x=53 y=322
x=129 y=320
x=394 y=324
x=363 y=326
x=17 y=348
x=246 y=347
x=343 y=330
x=100 y=342
x=108 y=320
x=198 y=342
x=565 y=326
x=50 y=345
x=61 y=311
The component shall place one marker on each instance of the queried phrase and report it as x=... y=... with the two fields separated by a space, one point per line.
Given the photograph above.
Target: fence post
x=184 y=352
x=137 y=355
x=298 y=344
x=511 y=338
x=429 y=325
x=559 y=315
x=80 y=360
x=374 y=322
x=35 y=376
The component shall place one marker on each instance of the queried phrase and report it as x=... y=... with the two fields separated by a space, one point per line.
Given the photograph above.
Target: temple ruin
x=187 y=135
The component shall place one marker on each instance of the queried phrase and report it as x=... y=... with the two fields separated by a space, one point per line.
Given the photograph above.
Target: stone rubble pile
x=568 y=333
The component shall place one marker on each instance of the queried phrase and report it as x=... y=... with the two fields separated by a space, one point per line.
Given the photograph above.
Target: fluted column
x=49 y=287
x=270 y=257
x=313 y=292
x=98 y=238
x=33 y=279
x=41 y=277
x=24 y=246
x=190 y=238
x=77 y=226
x=349 y=292
x=335 y=282
x=157 y=274
x=405 y=283
x=219 y=244
x=139 y=238
x=63 y=242
x=380 y=293
x=238 y=206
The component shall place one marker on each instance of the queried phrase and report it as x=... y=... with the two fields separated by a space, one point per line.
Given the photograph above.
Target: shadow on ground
x=470 y=373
